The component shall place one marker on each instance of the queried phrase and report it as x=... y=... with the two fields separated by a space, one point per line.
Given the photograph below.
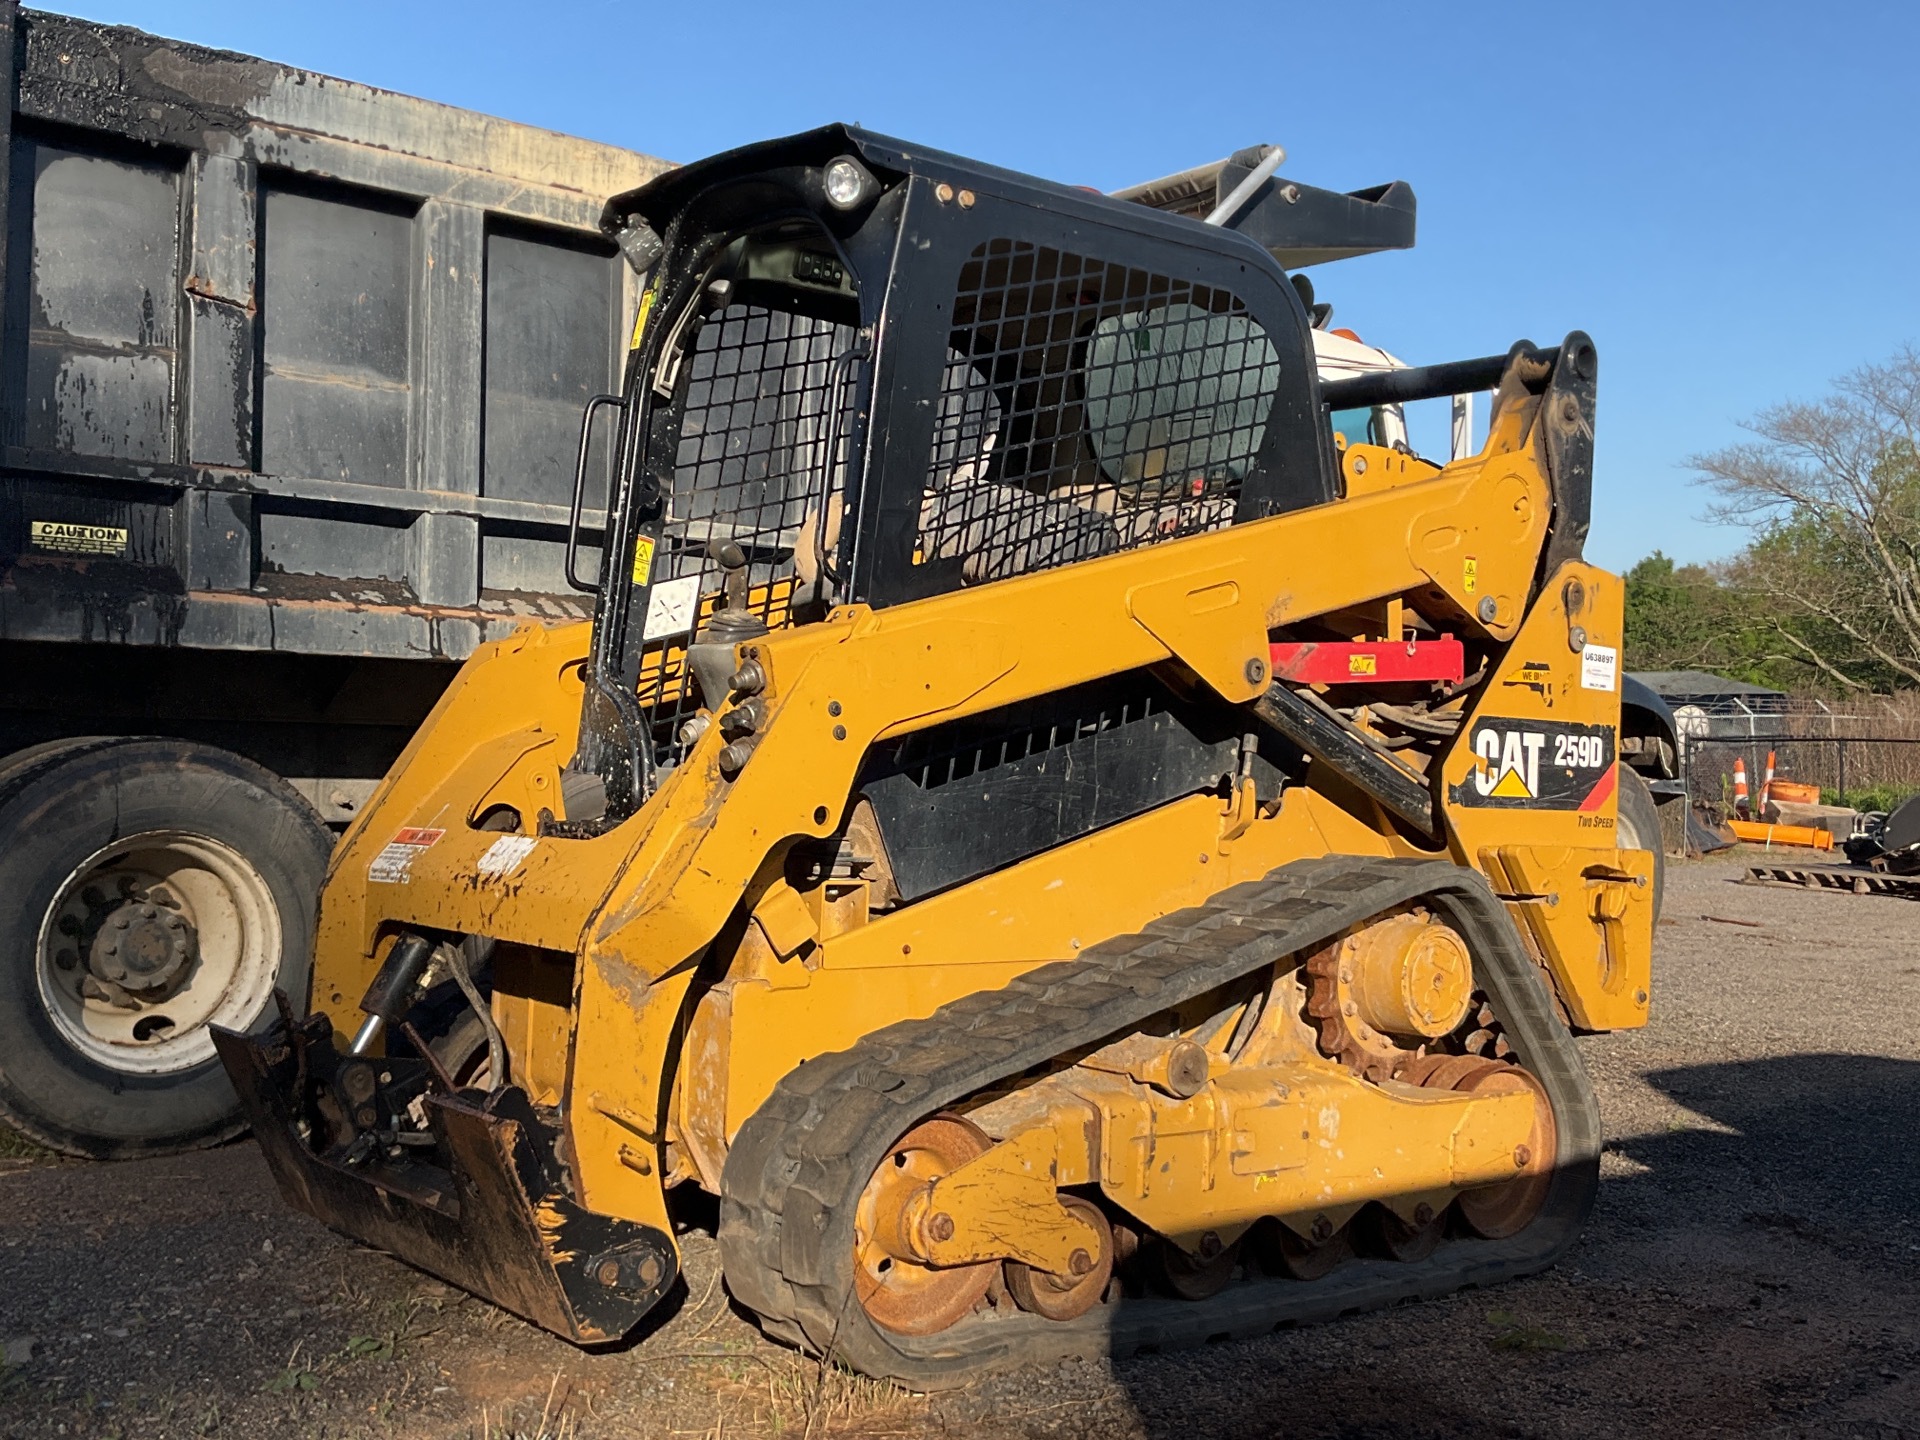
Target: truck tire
x=153 y=887
x=1640 y=827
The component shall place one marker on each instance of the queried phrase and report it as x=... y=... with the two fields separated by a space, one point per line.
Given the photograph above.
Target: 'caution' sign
x=63 y=537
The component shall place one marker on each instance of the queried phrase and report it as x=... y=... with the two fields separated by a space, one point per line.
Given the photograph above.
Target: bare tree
x=1832 y=486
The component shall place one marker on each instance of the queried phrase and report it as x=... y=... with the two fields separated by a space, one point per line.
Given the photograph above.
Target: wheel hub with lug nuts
x=148 y=942
x=141 y=947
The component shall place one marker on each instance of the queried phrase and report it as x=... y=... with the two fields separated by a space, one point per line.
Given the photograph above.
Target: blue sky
x=1723 y=195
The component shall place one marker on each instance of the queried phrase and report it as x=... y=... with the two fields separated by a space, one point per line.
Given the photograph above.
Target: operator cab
x=864 y=375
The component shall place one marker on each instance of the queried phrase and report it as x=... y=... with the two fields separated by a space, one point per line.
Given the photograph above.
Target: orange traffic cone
x=1740 y=785
x=1766 y=785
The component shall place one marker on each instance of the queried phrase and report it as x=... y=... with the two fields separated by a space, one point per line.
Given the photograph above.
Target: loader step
x=797 y=1168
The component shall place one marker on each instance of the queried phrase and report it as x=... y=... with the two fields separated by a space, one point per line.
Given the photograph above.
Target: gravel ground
x=1752 y=1267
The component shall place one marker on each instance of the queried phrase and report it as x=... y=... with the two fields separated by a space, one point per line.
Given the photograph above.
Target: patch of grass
x=556 y=1421
x=1866 y=798
x=395 y=1324
x=15 y=1146
x=295 y=1377
x=1511 y=1333
x=815 y=1398
x=372 y=1347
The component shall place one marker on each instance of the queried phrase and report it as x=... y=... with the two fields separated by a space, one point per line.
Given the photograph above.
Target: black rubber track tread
x=799 y=1163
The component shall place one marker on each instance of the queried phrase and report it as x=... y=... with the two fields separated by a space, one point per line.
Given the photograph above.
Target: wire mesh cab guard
x=758 y=473
x=1087 y=408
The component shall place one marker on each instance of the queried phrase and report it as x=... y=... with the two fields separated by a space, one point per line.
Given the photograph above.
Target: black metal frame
x=623 y=740
x=1081 y=759
x=907 y=248
x=1299 y=225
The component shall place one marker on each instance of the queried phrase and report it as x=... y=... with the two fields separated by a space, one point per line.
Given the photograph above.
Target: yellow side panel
x=1590 y=916
x=1531 y=790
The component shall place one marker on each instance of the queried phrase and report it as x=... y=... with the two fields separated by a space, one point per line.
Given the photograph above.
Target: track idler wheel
x=1187 y=1276
x=1494 y=1212
x=900 y=1294
x=1066 y=1297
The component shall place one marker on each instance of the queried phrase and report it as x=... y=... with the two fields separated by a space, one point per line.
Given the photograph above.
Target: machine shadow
x=1804 y=1136
x=1790 y=1144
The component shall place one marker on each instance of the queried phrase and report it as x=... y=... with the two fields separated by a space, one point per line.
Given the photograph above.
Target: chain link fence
x=1864 y=754
x=1868 y=772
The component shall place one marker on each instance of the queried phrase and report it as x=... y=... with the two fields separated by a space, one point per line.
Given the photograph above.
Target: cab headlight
x=848 y=183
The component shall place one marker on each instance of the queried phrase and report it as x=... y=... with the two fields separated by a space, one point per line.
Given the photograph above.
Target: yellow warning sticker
x=1363 y=664
x=70 y=539
x=640 y=318
x=642 y=560
x=1470 y=574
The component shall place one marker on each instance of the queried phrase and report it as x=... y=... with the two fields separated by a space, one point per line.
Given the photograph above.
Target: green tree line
x=1826 y=592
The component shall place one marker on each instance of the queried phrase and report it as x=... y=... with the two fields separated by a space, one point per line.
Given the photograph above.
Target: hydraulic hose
x=461 y=958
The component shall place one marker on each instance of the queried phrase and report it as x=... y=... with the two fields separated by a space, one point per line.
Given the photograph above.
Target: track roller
x=1066 y=1297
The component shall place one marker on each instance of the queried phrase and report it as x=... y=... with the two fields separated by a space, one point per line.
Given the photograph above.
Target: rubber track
x=799 y=1163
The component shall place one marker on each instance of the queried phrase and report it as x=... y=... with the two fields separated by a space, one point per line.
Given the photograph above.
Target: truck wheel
x=153 y=888
x=1640 y=827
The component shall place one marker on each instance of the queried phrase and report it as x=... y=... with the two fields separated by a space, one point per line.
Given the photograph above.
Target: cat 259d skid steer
x=1069 y=854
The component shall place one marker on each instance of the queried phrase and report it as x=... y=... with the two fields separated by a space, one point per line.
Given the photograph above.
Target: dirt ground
x=1752 y=1268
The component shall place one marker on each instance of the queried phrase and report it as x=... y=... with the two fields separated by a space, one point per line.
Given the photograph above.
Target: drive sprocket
x=1380 y=995
x=1343 y=1036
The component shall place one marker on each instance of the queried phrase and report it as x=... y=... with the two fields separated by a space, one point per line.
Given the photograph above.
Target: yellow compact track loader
x=1073 y=857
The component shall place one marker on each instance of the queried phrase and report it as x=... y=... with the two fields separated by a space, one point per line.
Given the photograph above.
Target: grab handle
x=579 y=493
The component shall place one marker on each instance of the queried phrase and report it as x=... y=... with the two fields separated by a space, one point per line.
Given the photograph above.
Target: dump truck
x=1070 y=858
x=293 y=371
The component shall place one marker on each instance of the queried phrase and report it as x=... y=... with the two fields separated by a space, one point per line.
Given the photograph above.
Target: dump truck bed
x=291 y=363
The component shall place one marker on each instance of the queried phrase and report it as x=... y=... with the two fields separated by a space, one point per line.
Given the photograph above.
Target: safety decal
x=671 y=608
x=642 y=560
x=1362 y=663
x=1538 y=765
x=1470 y=574
x=394 y=864
x=66 y=538
x=504 y=856
x=640 y=319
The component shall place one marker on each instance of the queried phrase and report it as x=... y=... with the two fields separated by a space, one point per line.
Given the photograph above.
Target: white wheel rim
x=228 y=981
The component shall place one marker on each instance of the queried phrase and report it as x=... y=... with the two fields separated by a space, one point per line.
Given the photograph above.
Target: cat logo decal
x=1538 y=765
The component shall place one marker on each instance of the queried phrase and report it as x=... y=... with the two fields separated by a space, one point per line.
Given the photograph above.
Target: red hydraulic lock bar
x=1375 y=662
